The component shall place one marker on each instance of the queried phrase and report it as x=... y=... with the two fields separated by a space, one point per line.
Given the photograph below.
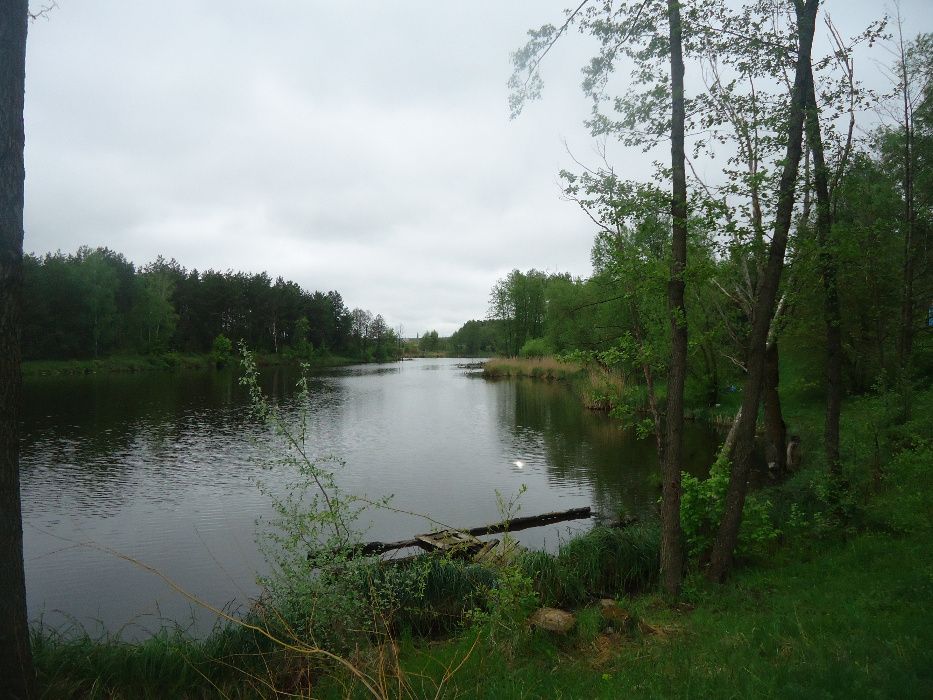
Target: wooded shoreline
x=167 y=362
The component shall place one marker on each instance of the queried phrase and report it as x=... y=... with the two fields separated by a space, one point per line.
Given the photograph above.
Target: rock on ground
x=553 y=620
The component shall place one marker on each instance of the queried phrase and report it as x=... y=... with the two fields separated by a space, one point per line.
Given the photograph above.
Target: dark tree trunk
x=827 y=261
x=16 y=670
x=709 y=355
x=672 y=560
x=906 y=334
x=728 y=533
x=775 y=429
x=712 y=376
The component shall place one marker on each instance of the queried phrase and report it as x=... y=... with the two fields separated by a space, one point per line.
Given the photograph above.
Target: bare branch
x=44 y=11
x=848 y=66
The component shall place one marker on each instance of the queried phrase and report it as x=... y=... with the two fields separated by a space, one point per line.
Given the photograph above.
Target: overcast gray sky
x=363 y=147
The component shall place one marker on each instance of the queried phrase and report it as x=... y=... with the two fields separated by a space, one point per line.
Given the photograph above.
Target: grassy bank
x=240 y=662
x=599 y=389
x=533 y=367
x=840 y=605
x=836 y=604
x=849 y=621
x=164 y=362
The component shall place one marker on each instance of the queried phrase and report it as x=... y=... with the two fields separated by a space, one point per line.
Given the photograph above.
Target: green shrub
x=535 y=347
x=701 y=509
x=603 y=562
x=902 y=505
x=222 y=350
x=318 y=591
x=451 y=589
x=506 y=605
x=579 y=357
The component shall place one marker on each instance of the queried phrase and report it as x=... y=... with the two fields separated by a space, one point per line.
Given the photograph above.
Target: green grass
x=598 y=389
x=117 y=363
x=852 y=622
x=605 y=561
x=168 y=665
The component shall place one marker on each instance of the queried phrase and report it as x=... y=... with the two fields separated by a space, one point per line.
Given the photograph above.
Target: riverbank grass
x=840 y=604
x=599 y=389
x=533 y=367
x=117 y=364
x=851 y=622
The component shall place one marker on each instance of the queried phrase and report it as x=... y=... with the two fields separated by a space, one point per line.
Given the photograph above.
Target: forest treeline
x=806 y=237
x=618 y=315
x=95 y=303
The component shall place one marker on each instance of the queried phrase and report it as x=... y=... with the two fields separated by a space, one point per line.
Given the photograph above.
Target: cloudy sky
x=363 y=147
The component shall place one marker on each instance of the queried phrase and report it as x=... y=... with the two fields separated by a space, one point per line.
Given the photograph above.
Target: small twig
x=44 y=11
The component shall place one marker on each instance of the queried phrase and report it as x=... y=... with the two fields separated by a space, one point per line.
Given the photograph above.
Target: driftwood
x=512 y=525
x=450 y=542
x=493 y=552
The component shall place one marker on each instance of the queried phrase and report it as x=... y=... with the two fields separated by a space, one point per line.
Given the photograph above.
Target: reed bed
x=533 y=367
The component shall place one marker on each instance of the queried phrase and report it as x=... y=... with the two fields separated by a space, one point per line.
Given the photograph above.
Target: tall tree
x=775 y=428
x=16 y=670
x=728 y=533
x=672 y=558
x=827 y=262
x=907 y=149
x=640 y=119
x=518 y=300
x=906 y=336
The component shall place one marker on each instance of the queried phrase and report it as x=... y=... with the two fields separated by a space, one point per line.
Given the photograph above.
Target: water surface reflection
x=163 y=468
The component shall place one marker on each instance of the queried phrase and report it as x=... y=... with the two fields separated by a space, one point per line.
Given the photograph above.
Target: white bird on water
x=519 y=463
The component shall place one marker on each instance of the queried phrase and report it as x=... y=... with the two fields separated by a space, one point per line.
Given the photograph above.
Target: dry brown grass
x=537 y=368
x=602 y=389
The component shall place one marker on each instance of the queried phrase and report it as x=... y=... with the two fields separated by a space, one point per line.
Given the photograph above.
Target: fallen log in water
x=512 y=525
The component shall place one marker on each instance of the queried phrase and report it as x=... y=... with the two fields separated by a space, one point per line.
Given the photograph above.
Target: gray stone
x=553 y=620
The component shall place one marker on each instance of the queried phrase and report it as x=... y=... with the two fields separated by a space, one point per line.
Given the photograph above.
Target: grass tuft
x=603 y=562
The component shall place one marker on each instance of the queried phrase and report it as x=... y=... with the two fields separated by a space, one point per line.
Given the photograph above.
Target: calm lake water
x=163 y=468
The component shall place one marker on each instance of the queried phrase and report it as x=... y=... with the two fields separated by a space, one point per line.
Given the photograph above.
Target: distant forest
x=96 y=303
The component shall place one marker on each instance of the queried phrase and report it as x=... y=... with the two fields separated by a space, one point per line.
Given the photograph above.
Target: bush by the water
x=701 y=509
x=535 y=347
x=605 y=561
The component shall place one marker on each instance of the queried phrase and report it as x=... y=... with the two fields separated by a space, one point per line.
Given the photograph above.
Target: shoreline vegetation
x=821 y=602
x=606 y=389
x=600 y=388
x=172 y=361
